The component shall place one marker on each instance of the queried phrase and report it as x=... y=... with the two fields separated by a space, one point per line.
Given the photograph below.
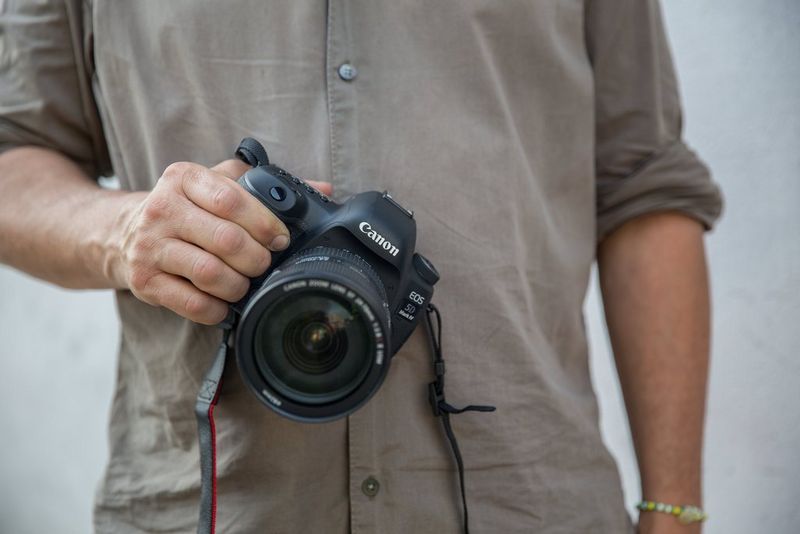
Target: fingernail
x=280 y=242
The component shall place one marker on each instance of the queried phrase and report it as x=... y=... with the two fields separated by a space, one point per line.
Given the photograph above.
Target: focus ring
x=344 y=262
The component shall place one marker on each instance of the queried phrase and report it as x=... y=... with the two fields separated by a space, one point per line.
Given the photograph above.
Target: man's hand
x=194 y=241
x=189 y=245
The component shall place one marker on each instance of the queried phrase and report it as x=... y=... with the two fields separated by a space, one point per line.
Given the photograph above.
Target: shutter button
x=347 y=72
x=370 y=487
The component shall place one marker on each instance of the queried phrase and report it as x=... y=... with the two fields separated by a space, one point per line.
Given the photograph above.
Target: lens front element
x=313 y=346
x=315 y=338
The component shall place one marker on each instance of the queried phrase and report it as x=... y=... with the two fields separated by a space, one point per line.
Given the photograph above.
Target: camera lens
x=314 y=346
x=312 y=342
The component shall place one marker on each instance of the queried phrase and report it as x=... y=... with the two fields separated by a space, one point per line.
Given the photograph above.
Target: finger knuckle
x=139 y=279
x=196 y=304
x=139 y=254
x=207 y=270
x=156 y=208
x=179 y=170
x=225 y=201
x=234 y=167
x=229 y=239
x=204 y=309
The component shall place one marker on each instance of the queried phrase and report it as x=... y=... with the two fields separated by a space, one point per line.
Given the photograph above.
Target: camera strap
x=439 y=404
x=208 y=396
x=206 y=432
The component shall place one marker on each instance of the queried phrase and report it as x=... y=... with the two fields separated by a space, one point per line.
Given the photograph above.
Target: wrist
x=659 y=523
x=678 y=515
x=672 y=478
x=120 y=210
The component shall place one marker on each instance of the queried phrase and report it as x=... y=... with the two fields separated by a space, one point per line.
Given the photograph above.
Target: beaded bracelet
x=685 y=513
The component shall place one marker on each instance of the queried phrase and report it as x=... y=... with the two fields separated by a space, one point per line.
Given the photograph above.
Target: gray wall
x=739 y=63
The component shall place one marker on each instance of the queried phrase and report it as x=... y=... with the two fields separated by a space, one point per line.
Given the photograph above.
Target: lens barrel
x=312 y=343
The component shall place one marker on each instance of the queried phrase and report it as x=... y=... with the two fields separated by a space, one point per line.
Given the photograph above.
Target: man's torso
x=476 y=114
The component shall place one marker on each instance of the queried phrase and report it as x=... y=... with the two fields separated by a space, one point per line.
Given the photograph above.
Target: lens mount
x=312 y=343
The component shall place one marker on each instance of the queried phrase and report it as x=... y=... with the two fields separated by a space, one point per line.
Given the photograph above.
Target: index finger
x=234 y=169
x=323 y=187
x=216 y=193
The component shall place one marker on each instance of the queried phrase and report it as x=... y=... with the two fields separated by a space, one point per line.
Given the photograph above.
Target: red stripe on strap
x=213 y=428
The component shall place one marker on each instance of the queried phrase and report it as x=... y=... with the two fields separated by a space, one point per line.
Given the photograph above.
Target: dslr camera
x=315 y=333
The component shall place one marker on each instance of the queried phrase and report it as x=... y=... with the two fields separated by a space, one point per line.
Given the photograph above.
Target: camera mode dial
x=425 y=269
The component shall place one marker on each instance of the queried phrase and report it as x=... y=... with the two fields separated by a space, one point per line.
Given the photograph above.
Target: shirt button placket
x=342 y=87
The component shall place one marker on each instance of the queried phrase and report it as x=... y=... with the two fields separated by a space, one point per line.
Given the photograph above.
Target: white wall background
x=739 y=64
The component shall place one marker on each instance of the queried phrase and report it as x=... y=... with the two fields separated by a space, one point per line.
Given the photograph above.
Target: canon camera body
x=315 y=334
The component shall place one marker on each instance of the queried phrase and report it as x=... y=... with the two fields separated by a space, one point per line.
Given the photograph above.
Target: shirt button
x=347 y=72
x=370 y=487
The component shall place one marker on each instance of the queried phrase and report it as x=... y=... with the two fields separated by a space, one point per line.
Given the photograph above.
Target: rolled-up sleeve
x=45 y=85
x=642 y=163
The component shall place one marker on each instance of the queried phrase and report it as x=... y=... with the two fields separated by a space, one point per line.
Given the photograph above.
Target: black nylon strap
x=204 y=412
x=440 y=406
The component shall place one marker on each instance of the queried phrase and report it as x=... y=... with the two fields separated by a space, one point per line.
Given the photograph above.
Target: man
x=529 y=137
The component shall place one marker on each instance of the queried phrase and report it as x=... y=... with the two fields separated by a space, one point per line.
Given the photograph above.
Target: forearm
x=191 y=244
x=55 y=222
x=654 y=282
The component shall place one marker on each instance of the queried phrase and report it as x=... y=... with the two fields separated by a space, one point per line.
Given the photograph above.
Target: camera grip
x=275 y=192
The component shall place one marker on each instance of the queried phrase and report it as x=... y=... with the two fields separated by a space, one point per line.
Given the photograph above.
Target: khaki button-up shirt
x=520 y=133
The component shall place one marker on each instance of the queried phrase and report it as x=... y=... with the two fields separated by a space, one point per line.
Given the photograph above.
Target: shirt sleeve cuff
x=674 y=179
x=16 y=137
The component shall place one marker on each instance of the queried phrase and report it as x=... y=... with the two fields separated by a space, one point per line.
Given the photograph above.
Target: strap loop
x=252 y=152
x=441 y=408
